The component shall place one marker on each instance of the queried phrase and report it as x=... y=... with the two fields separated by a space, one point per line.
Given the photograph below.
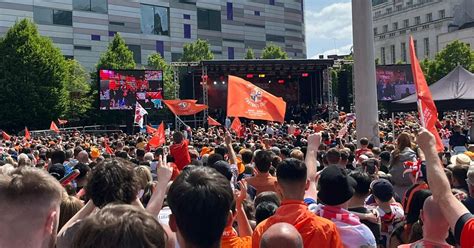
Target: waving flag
x=150 y=129
x=53 y=127
x=5 y=136
x=236 y=126
x=158 y=138
x=139 y=113
x=244 y=99
x=184 y=107
x=426 y=106
x=27 y=134
x=212 y=122
x=108 y=149
x=62 y=122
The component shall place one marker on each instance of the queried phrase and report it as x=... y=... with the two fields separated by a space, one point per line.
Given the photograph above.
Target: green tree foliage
x=273 y=51
x=454 y=54
x=78 y=87
x=33 y=73
x=197 y=51
x=250 y=54
x=155 y=61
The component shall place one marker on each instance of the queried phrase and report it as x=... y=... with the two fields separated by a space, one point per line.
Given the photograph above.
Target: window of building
x=137 y=53
x=209 y=19
x=406 y=23
x=95 y=37
x=186 y=17
x=403 y=49
x=271 y=2
x=426 y=42
x=257 y=13
x=230 y=53
x=415 y=46
x=429 y=17
x=385 y=28
x=442 y=14
x=392 y=54
x=187 y=31
x=160 y=48
x=410 y=3
x=382 y=55
x=48 y=16
x=395 y=26
x=389 y=10
x=176 y=57
x=99 y=6
x=417 y=20
x=230 y=11
x=155 y=20
x=375 y=31
x=399 y=7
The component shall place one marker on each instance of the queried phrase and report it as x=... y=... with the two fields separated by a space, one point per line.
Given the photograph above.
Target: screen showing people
x=121 y=89
x=394 y=82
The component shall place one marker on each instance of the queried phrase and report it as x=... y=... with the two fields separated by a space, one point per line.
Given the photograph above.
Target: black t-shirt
x=375 y=228
x=469 y=203
x=457 y=139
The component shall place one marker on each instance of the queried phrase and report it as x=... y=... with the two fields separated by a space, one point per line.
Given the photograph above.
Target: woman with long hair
x=403 y=152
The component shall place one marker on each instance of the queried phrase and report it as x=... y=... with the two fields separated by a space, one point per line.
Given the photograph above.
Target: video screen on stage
x=394 y=82
x=121 y=89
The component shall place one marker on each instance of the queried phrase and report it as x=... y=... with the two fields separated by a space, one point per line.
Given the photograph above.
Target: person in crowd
x=291 y=185
x=30 y=201
x=458 y=141
x=180 y=151
x=262 y=181
x=70 y=205
x=281 y=235
x=399 y=156
x=469 y=201
x=364 y=144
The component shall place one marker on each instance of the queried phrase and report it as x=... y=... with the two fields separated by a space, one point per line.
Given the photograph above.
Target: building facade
x=82 y=29
x=430 y=22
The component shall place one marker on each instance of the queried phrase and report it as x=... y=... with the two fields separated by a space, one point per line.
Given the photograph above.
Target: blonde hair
x=144 y=176
x=70 y=205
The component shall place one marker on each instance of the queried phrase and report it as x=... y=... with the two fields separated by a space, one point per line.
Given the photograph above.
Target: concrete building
x=432 y=23
x=82 y=29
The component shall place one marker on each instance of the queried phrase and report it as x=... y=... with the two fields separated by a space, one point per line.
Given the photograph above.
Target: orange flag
x=158 y=138
x=150 y=129
x=212 y=122
x=244 y=99
x=426 y=106
x=5 y=136
x=236 y=126
x=62 y=122
x=53 y=127
x=108 y=149
x=184 y=107
x=27 y=134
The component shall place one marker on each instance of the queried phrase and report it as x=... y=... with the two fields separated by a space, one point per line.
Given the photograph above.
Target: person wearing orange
x=263 y=181
x=230 y=237
x=179 y=151
x=291 y=185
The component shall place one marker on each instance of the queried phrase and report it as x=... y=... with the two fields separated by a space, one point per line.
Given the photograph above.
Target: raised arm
x=242 y=221
x=312 y=164
x=228 y=144
x=164 y=172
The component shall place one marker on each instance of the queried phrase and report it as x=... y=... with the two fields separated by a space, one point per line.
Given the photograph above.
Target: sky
x=328 y=27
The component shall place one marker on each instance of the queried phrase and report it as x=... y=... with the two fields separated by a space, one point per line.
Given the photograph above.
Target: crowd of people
x=311 y=184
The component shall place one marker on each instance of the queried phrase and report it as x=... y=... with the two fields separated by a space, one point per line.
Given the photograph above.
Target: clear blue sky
x=328 y=27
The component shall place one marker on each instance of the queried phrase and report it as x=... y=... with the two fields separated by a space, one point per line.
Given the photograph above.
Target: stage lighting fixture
x=215 y=82
x=249 y=75
x=281 y=81
x=223 y=82
x=305 y=74
x=269 y=81
x=261 y=75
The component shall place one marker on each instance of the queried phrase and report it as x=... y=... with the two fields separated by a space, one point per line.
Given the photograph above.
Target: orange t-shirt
x=467 y=234
x=262 y=182
x=230 y=239
x=315 y=231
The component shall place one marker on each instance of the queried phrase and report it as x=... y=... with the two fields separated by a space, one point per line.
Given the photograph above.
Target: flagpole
x=393 y=124
x=422 y=115
x=177 y=118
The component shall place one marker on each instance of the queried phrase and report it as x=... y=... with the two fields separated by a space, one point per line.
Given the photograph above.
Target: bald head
x=281 y=235
x=431 y=210
x=83 y=157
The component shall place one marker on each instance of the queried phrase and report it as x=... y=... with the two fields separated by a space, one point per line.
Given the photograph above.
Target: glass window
x=417 y=20
x=271 y=2
x=442 y=14
x=415 y=46
x=392 y=54
x=427 y=47
x=62 y=17
x=187 y=31
x=209 y=19
x=230 y=11
x=429 y=17
x=43 y=15
x=375 y=31
x=257 y=13
x=403 y=48
x=230 y=53
x=99 y=6
x=382 y=54
x=385 y=28
x=395 y=26
x=160 y=48
x=137 y=53
x=154 y=20
x=406 y=23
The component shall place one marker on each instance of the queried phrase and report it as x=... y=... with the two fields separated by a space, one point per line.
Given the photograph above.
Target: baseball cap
x=224 y=168
x=382 y=189
x=57 y=171
x=335 y=186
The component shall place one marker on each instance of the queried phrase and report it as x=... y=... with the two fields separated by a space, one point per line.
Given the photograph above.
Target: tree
x=117 y=56
x=155 y=61
x=197 y=51
x=33 y=73
x=454 y=54
x=273 y=51
x=78 y=88
x=250 y=54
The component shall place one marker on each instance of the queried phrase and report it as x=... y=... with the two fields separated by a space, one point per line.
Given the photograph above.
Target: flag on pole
x=236 y=126
x=139 y=113
x=27 y=134
x=244 y=99
x=53 y=127
x=212 y=122
x=159 y=137
x=62 y=122
x=150 y=129
x=184 y=107
x=426 y=106
x=5 y=136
